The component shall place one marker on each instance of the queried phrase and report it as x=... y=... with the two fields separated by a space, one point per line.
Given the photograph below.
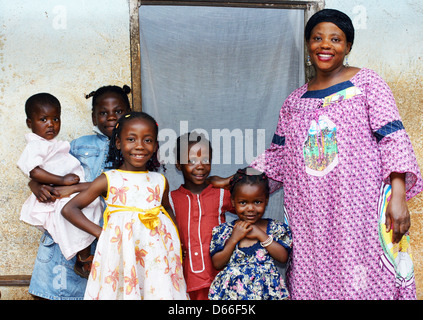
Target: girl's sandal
x=83 y=267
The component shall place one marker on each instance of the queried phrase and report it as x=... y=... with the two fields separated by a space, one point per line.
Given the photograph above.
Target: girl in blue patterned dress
x=246 y=248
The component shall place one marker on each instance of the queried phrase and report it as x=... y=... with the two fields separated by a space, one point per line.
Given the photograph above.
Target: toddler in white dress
x=48 y=161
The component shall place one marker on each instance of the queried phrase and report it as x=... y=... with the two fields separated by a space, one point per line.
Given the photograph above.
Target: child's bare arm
x=42 y=176
x=224 y=183
x=43 y=192
x=46 y=193
x=219 y=182
x=166 y=202
x=66 y=191
x=276 y=250
x=72 y=210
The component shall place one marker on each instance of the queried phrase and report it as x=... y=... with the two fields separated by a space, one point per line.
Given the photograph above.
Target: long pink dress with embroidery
x=333 y=151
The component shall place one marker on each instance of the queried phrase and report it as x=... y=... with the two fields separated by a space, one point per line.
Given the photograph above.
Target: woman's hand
x=397 y=214
x=397 y=218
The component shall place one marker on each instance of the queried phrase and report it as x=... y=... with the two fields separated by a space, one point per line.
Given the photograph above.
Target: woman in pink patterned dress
x=347 y=168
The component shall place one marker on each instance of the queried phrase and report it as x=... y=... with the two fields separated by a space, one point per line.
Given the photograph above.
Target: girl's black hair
x=249 y=176
x=115 y=155
x=122 y=91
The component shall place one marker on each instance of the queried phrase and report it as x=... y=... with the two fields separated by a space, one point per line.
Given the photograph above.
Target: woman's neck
x=324 y=80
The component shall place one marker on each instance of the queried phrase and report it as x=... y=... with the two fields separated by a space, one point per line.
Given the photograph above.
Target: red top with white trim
x=196 y=216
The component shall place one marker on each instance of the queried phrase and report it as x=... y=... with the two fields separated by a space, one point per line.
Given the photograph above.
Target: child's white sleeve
x=33 y=156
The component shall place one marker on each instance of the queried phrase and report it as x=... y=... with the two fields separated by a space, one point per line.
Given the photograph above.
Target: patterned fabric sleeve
x=394 y=144
x=270 y=162
x=220 y=235
x=281 y=234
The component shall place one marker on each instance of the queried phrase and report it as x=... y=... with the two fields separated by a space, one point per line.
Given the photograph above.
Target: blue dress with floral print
x=251 y=273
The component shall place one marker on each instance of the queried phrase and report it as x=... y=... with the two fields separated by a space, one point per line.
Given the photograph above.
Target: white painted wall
x=388 y=35
x=67 y=48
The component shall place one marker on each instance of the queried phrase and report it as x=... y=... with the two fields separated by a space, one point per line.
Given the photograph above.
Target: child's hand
x=241 y=229
x=219 y=182
x=43 y=192
x=70 y=179
x=64 y=191
x=256 y=234
x=221 y=258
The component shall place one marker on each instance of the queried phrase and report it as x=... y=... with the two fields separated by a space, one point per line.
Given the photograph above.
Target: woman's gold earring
x=346 y=61
x=308 y=62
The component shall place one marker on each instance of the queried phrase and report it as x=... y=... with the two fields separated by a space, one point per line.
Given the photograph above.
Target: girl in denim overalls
x=53 y=276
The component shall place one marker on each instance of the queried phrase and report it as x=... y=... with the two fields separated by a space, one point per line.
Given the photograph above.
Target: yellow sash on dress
x=149 y=217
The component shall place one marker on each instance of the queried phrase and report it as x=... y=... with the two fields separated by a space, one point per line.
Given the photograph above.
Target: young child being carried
x=48 y=161
x=198 y=208
x=246 y=248
x=138 y=254
x=109 y=104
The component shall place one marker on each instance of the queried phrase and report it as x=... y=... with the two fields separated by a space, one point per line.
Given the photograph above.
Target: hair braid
x=248 y=176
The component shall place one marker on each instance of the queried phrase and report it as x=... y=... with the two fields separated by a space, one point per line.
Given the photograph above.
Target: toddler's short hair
x=38 y=99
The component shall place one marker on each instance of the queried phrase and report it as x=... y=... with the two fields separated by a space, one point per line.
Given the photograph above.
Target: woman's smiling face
x=327 y=47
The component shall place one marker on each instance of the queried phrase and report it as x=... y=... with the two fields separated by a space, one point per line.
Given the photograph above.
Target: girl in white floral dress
x=138 y=254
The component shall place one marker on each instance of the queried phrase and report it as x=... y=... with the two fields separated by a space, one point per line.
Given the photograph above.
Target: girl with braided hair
x=246 y=248
x=139 y=242
x=109 y=103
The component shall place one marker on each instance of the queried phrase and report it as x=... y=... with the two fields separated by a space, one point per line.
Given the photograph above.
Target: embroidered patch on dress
x=339 y=96
x=396 y=257
x=321 y=147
